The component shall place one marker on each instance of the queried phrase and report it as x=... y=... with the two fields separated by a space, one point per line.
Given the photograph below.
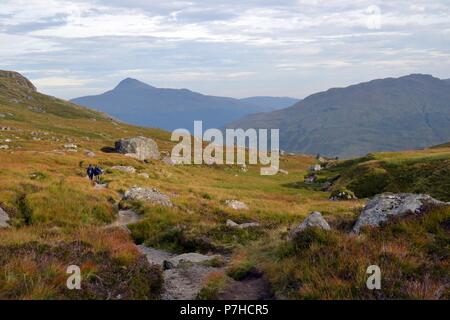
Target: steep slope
x=270 y=103
x=380 y=115
x=138 y=103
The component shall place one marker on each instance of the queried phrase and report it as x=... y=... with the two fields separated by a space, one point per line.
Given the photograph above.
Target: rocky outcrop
x=314 y=220
x=19 y=79
x=384 y=207
x=4 y=219
x=342 y=194
x=140 y=148
x=150 y=195
x=236 y=205
x=232 y=224
x=127 y=169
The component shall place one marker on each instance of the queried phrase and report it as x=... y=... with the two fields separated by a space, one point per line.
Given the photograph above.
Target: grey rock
x=71 y=146
x=155 y=256
x=236 y=205
x=192 y=257
x=89 y=154
x=310 y=179
x=127 y=169
x=4 y=219
x=315 y=219
x=4 y=147
x=150 y=195
x=144 y=175
x=385 y=206
x=232 y=224
x=140 y=148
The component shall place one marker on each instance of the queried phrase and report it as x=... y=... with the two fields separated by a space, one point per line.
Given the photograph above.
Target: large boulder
x=141 y=148
x=4 y=219
x=386 y=206
x=314 y=220
x=150 y=195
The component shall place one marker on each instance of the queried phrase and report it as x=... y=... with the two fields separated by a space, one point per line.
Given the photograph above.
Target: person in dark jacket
x=90 y=172
x=97 y=172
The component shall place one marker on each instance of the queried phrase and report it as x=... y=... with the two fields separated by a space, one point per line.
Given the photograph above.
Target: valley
x=165 y=231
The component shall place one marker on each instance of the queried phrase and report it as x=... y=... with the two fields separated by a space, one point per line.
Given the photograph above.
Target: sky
x=236 y=48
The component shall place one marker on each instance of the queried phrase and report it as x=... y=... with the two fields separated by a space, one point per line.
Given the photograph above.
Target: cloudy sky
x=233 y=48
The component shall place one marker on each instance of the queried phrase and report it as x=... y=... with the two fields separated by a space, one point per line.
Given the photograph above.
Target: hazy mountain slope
x=380 y=115
x=137 y=103
x=270 y=103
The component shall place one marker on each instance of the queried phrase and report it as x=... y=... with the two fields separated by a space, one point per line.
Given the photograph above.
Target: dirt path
x=187 y=273
x=184 y=275
x=126 y=217
x=253 y=287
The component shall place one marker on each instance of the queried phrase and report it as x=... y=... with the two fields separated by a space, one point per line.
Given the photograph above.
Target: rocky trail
x=184 y=274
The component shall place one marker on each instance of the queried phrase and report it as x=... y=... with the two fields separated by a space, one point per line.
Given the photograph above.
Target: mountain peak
x=20 y=80
x=132 y=83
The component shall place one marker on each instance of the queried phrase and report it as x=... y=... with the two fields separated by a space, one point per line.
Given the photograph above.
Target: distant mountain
x=380 y=115
x=270 y=103
x=138 y=103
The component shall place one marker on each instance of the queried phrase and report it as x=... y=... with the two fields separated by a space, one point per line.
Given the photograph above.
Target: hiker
x=97 y=172
x=90 y=172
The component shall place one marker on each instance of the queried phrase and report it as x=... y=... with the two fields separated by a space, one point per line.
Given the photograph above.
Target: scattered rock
x=236 y=205
x=190 y=258
x=386 y=206
x=285 y=172
x=71 y=146
x=144 y=175
x=243 y=167
x=140 y=148
x=168 y=160
x=101 y=186
x=315 y=219
x=36 y=109
x=310 y=179
x=4 y=219
x=232 y=224
x=150 y=195
x=4 y=147
x=127 y=169
x=342 y=194
x=316 y=167
x=7 y=129
x=155 y=256
x=90 y=154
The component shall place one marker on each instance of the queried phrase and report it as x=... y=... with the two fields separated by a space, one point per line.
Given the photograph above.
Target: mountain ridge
x=139 y=103
x=380 y=115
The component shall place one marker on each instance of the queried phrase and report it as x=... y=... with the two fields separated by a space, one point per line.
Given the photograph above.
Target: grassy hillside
x=422 y=171
x=58 y=218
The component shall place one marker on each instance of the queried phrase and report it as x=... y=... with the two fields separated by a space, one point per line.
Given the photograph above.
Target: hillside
x=270 y=103
x=57 y=218
x=138 y=103
x=381 y=115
